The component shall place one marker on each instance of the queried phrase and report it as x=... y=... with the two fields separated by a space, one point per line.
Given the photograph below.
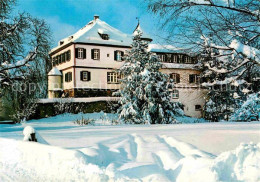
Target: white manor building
x=84 y=64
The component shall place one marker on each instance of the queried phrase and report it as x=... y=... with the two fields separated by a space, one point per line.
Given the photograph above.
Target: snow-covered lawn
x=180 y=152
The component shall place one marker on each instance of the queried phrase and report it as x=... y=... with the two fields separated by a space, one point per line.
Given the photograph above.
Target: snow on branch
x=20 y=63
x=250 y=52
x=184 y=5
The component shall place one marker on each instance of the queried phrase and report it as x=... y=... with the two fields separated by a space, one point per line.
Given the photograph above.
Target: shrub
x=85 y=121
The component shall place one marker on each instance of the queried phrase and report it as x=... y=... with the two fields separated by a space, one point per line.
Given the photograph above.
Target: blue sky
x=65 y=17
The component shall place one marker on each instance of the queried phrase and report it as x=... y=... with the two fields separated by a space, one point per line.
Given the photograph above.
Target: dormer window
x=61 y=42
x=103 y=34
x=71 y=37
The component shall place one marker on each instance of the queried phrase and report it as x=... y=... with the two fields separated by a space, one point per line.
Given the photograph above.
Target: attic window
x=71 y=37
x=103 y=34
x=61 y=42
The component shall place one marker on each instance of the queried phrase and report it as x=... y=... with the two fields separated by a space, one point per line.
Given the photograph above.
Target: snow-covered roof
x=54 y=72
x=78 y=100
x=144 y=34
x=91 y=34
x=179 y=66
x=164 y=48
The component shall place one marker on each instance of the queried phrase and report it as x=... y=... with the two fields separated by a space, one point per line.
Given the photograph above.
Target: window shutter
x=191 y=78
x=178 y=58
x=89 y=76
x=76 y=53
x=53 y=61
x=66 y=77
x=115 y=52
x=63 y=57
x=198 y=79
x=92 y=53
x=56 y=60
x=177 y=78
x=98 y=54
x=81 y=75
x=122 y=55
x=84 y=53
x=68 y=56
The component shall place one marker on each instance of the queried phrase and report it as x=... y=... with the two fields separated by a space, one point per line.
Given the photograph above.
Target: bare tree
x=220 y=22
x=24 y=46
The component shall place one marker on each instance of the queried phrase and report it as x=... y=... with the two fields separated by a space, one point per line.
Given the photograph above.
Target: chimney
x=96 y=17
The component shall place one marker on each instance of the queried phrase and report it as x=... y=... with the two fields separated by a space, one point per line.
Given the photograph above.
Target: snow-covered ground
x=179 y=152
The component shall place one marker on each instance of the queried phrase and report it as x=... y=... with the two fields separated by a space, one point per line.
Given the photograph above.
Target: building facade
x=84 y=65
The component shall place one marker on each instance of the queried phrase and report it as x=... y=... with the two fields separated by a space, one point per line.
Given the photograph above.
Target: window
x=63 y=58
x=162 y=57
x=175 y=77
x=80 y=53
x=175 y=94
x=59 y=59
x=174 y=58
x=95 y=54
x=194 y=60
x=118 y=55
x=104 y=36
x=168 y=58
x=67 y=55
x=193 y=78
x=197 y=107
x=68 y=77
x=187 y=59
x=85 y=76
x=112 y=77
x=108 y=55
x=180 y=58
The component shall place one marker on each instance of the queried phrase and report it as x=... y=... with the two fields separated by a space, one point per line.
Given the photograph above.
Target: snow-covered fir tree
x=249 y=110
x=145 y=96
x=220 y=103
x=227 y=89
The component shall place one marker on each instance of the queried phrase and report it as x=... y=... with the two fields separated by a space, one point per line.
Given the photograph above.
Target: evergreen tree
x=250 y=109
x=226 y=89
x=145 y=96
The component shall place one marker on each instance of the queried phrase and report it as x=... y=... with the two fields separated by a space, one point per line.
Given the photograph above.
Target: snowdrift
x=127 y=158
